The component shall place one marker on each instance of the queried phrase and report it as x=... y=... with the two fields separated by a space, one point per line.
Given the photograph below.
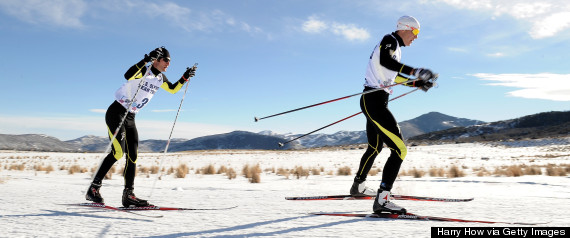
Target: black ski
x=146 y=208
x=394 y=196
x=107 y=207
x=158 y=208
x=411 y=216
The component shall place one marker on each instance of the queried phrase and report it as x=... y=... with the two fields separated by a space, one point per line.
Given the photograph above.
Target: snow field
x=29 y=198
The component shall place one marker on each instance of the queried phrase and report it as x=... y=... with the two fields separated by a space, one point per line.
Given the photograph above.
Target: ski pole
x=353 y=115
x=180 y=106
x=170 y=136
x=337 y=99
x=283 y=144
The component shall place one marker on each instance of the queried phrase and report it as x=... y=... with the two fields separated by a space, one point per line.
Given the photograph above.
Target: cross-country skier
x=384 y=68
x=142 y=83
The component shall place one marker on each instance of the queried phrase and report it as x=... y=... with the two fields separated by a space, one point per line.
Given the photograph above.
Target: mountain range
x=430 y=127
x=541 y=125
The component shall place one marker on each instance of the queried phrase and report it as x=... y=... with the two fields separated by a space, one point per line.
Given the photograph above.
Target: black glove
x=153 y=55
x=424 y=85
x=190 y=72
x=423 y=74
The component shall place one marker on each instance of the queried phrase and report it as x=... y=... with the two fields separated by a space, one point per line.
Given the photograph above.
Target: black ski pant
x=126 y=142
x=381 y=128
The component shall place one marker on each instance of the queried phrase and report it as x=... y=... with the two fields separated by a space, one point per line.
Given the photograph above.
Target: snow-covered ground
x=29 y=199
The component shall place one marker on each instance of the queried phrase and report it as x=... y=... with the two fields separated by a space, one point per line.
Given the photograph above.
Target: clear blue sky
x=62 y=61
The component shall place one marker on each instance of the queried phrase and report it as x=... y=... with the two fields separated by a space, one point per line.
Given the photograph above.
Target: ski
x=394 y=196
x=158 y=208
x=146 y=208
x=411 y=216
x=103 y=206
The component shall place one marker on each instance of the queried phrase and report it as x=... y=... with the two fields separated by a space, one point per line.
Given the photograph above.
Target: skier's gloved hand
x=155 y=54
x=190 y=72
x=423 y=74
x=424 y=85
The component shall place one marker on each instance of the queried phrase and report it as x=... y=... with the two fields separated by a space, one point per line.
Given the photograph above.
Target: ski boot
x=93 y=193
x=382 y=203
x=359 y=189
x=131 y=200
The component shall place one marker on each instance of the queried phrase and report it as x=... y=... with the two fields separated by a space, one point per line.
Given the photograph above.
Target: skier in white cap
x=384 y=68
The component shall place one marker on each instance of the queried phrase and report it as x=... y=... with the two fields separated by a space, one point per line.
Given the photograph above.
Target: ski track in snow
x=29 y=199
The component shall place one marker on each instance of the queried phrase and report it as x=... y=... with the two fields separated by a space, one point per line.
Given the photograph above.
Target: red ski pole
x=353 y=115
x=336 y=99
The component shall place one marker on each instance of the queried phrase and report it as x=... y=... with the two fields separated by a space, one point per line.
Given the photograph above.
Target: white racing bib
x=378 y=76
x=147 y=86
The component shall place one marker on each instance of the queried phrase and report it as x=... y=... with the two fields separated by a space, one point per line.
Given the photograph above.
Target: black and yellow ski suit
x=127 y=140
x=381 y=127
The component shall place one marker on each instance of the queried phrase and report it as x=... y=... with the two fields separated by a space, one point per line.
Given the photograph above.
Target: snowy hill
x=34 y=142
x=232 y=140
x=541 y=125
x=89 y=143
x=433 y=121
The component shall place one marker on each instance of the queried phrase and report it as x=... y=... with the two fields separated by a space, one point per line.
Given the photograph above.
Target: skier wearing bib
x=384 y=68
x=142 y=83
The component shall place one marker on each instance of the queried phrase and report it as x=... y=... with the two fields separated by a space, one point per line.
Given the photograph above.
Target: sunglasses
x=415 y=31
x=166 y=60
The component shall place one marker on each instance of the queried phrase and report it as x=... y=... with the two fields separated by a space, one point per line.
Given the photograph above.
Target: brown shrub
x=316 y=171
x=231 y=173
x=248 y=171
x=182 y=171
x=417 y=173
x=208 y=169
x=19 y=167
x=514 y=171
x=455 y=172
x=222 y=169
x=252 y=173
x=555 y=170
x=531 y=170
x=154 y=169
x=74 y=169
x=144 y=170
x=255 y=178
x=344 y=171
x=436 y=172
x=283 y=172
x=374 y=172
x=299 y=172
x=482 y=172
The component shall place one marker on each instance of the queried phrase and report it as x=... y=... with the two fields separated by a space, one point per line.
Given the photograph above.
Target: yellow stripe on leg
x=394 y=138
x=118 y=154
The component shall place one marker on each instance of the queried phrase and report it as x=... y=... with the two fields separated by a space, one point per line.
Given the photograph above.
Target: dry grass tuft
x=231 y=173
x=208 y=169
x=181 y=171
x=416 y=173
x=344 y=171
x=374 y=172
x=555 y=170
x=299 y=172
x=283 y=172
x=19 y=167
x=47 y=169
x=74 y=169
x=252 y=173
x=223 y=169
x=316 y=171
x=436 y=172
x=455 y=172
